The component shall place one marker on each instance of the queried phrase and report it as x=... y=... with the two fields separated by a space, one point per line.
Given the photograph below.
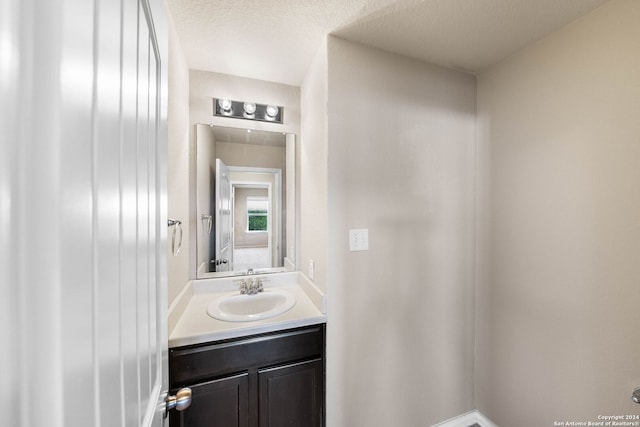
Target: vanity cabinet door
x=292 y=395
x=219 y=403
x=274 y=379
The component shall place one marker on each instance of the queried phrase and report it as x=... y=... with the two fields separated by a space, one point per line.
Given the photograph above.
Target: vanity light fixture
x=247 y=110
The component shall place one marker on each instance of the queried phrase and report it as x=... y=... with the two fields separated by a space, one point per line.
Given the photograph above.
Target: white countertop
x=194 y=326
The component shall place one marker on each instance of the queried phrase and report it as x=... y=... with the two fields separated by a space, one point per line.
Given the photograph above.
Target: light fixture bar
x=223 y=107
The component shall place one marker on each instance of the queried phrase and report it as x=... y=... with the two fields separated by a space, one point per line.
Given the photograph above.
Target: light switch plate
x=359 y=239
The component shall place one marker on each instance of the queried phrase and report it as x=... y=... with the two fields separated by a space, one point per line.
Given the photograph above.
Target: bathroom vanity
x=267 y=372
x=272 y=379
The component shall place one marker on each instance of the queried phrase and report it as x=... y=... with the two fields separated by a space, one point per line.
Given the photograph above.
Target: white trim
x=466 y=420
x=316 y=296
x=484 y=421
x=289 y=265
x=178 y=305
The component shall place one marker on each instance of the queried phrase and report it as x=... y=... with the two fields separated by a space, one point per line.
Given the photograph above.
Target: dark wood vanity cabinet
x=268 y=380
x=219 y=403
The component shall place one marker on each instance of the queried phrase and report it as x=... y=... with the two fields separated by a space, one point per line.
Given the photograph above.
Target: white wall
x=559 y=129
x=313 y=169
x=178 y=162
x=401 y=162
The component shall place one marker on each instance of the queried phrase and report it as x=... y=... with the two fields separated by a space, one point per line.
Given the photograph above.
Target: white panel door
x=83 y=212
x=224 y=218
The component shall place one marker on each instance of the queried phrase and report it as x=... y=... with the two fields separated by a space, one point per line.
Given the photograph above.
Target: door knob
x=636 y=395
x=180 y=401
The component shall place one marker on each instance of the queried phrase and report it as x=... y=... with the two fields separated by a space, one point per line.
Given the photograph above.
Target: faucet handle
x=242 y=284
x=261 y=281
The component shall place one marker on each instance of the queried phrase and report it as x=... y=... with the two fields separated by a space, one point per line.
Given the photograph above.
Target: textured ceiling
x=275 y=40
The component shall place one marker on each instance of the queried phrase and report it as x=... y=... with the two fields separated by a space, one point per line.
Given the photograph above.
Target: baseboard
x=484 y=421
x=466 y=420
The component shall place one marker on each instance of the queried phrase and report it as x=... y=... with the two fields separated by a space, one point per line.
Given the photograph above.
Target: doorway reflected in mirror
x=241 y=196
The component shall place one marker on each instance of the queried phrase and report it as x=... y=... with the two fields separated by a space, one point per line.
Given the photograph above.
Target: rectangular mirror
x=245 y=210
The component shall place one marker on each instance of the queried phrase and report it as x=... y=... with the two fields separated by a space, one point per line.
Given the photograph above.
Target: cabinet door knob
x=180 y=401
x=636 y=395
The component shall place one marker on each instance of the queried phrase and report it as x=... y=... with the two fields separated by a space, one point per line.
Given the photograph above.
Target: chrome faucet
x=250 y=271
x=250 y=286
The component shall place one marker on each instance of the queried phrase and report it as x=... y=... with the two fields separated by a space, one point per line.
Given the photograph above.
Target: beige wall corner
x=558 y=212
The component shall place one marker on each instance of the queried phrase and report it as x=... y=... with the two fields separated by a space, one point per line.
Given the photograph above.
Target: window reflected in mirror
x=241 y=195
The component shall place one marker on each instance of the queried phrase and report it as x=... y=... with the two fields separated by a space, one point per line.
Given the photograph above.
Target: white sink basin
x=247 y=308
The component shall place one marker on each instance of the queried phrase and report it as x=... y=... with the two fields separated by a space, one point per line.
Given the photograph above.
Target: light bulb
x=272 y=111
x=225 y=105
x=249 y=108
